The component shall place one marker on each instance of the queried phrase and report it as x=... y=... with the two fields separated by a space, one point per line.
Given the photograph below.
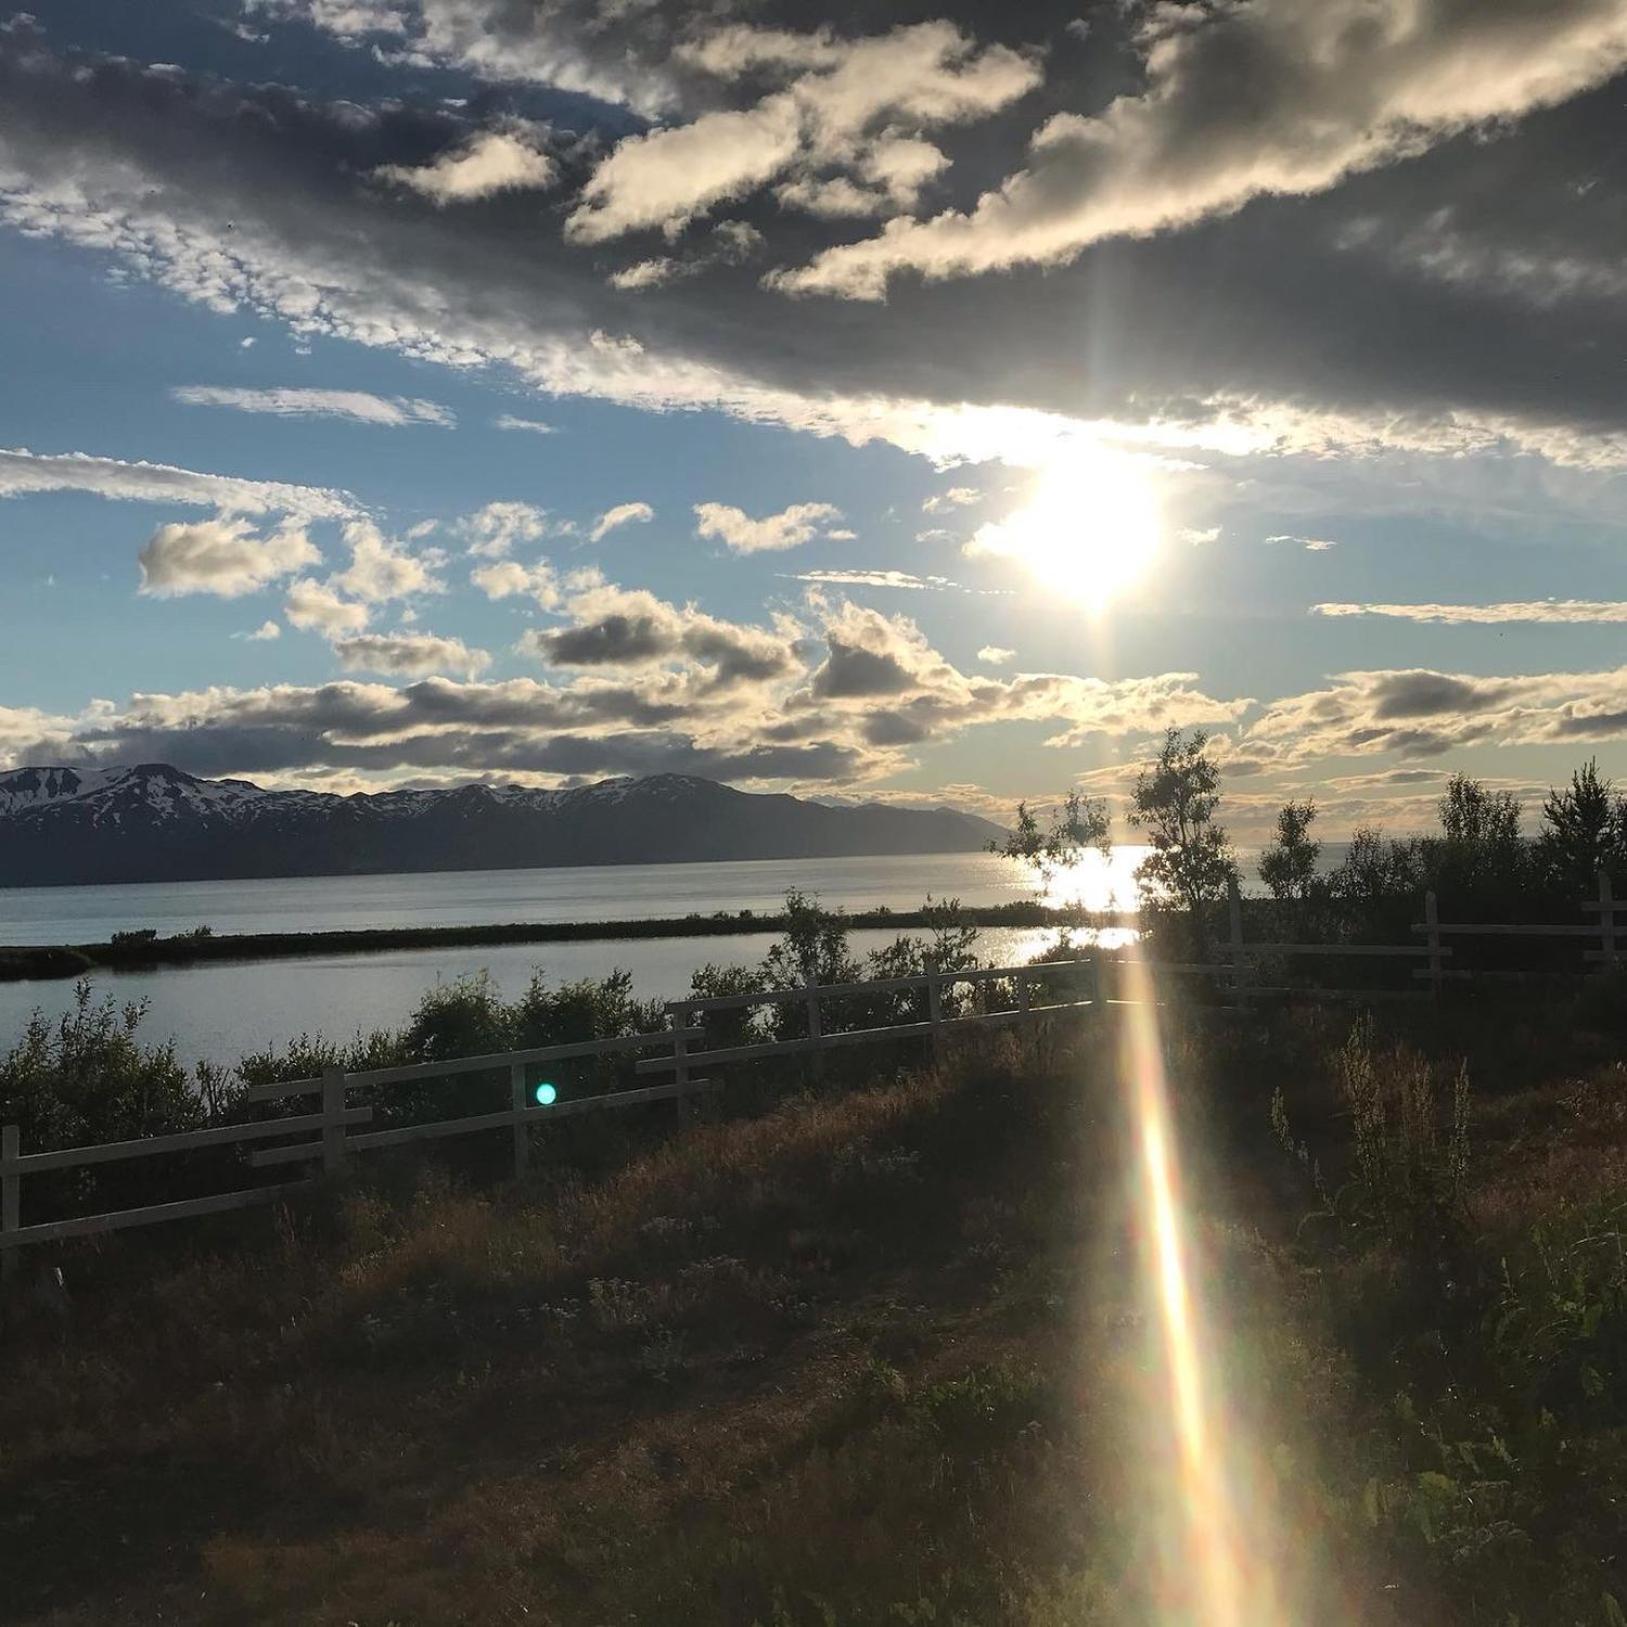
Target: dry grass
x=873 y=1356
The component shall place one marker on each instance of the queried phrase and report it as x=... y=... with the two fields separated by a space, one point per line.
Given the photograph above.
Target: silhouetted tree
x=1288 y=866
x=1175 y=801
x=1480 y=849
x=1584 y=830
x=1080 y=823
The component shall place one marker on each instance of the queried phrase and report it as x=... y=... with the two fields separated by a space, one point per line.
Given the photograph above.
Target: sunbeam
x=1216 y=1569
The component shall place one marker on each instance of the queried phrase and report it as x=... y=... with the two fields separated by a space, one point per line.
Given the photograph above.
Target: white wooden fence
x=1239 y=955
x=330 y=1135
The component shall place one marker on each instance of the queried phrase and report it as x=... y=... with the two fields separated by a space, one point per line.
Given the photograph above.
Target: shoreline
x=31 y=962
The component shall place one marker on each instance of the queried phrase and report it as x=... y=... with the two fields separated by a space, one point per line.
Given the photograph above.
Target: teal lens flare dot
x=546 y=1095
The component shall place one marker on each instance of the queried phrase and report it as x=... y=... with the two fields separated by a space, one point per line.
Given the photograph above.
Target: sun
x=1088 y=530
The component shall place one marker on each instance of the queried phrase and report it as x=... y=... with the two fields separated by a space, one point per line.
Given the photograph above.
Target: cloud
x=1273 y=97
x=493 y=161
x=996 y=655
x=615 y=53
x=314 y=607
x=848 y=105
x=955 y=497
x=357 y=405
x=1554 y=611
x=648 y=273
x=1422 y=713
x=493 y=530
x=620 y=627
x=1312 y=545
x=737 y=531
x=877 y=579
x=410 y=655
x=507 y=579
x=1319 y=340
x=23 y=473
x=380 y=569
x=263 y=634
x=881 y=670
x=223 y=557
x=621 y=514
x=534 y=426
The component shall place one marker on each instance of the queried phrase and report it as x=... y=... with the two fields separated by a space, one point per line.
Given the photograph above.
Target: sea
x=222 y=1011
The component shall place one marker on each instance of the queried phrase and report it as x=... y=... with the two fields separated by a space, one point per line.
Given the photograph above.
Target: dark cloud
x=1366 y=299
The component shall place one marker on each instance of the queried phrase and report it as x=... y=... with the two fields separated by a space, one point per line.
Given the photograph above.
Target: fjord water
x=219 y=1011
x=620 y=892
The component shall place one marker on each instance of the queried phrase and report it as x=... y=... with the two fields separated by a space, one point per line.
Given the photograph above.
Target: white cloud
x=1332 y=88
x=621 y=514
x=736 y=530
x=494 y=161
x=955 y=497
x=410 y=655
x=671 y=175
x=654 y=273
x=1312 y=545
x=1422 y=713
x=358 y=405
x=534 y=426
x=222 y=556
x=314 y=607
x=509 y=580
x=875 y=579
x=380 y=570
x=263 y=634
x=995 y=655
x=852 y=105
x=493 y=530
x=23 y=472
x=1554 y=611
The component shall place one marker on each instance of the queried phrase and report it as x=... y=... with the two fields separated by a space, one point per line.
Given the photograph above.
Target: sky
x=918 y=402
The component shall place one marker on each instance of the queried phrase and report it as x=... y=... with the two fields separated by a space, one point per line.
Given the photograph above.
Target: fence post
x=1432 y=924
x=680 y=1063
x=333 y=1123
x=1234 y=928
x=522 y=1129
x=934 y=1006
x=11 y=1195
x=1607 y=922
x=816 y=1030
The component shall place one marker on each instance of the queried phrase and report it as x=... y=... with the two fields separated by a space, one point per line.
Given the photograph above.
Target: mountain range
x=153 y=822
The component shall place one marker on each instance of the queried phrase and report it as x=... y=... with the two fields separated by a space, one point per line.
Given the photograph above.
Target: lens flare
x=546 y=1095
x=1217 y=1571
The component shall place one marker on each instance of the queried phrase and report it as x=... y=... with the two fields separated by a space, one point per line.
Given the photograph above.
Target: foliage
x=1081 y=823
x=1175 y=800
x=89 y=1077
x=1584 y=832
x=1288 y=866
x=814 y=946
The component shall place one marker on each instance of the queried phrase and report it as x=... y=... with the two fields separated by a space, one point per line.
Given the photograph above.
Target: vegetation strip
x=132 y=951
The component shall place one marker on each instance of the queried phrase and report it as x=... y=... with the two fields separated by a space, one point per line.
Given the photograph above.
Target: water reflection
x=1098 y=882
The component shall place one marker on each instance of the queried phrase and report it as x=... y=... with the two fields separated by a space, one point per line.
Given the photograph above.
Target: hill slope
x=156 y=823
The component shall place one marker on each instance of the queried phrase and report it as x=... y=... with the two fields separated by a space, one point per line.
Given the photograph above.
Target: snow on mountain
x=151 y=822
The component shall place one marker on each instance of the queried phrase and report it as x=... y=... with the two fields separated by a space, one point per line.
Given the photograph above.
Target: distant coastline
x=47 y=961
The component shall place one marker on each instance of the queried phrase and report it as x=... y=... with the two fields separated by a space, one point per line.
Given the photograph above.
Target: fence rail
x=330 y=1136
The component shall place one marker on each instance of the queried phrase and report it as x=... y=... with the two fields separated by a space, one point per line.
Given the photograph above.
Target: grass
x=880 y=1355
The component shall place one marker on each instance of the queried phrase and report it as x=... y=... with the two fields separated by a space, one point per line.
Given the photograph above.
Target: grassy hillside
x=881 y=1354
